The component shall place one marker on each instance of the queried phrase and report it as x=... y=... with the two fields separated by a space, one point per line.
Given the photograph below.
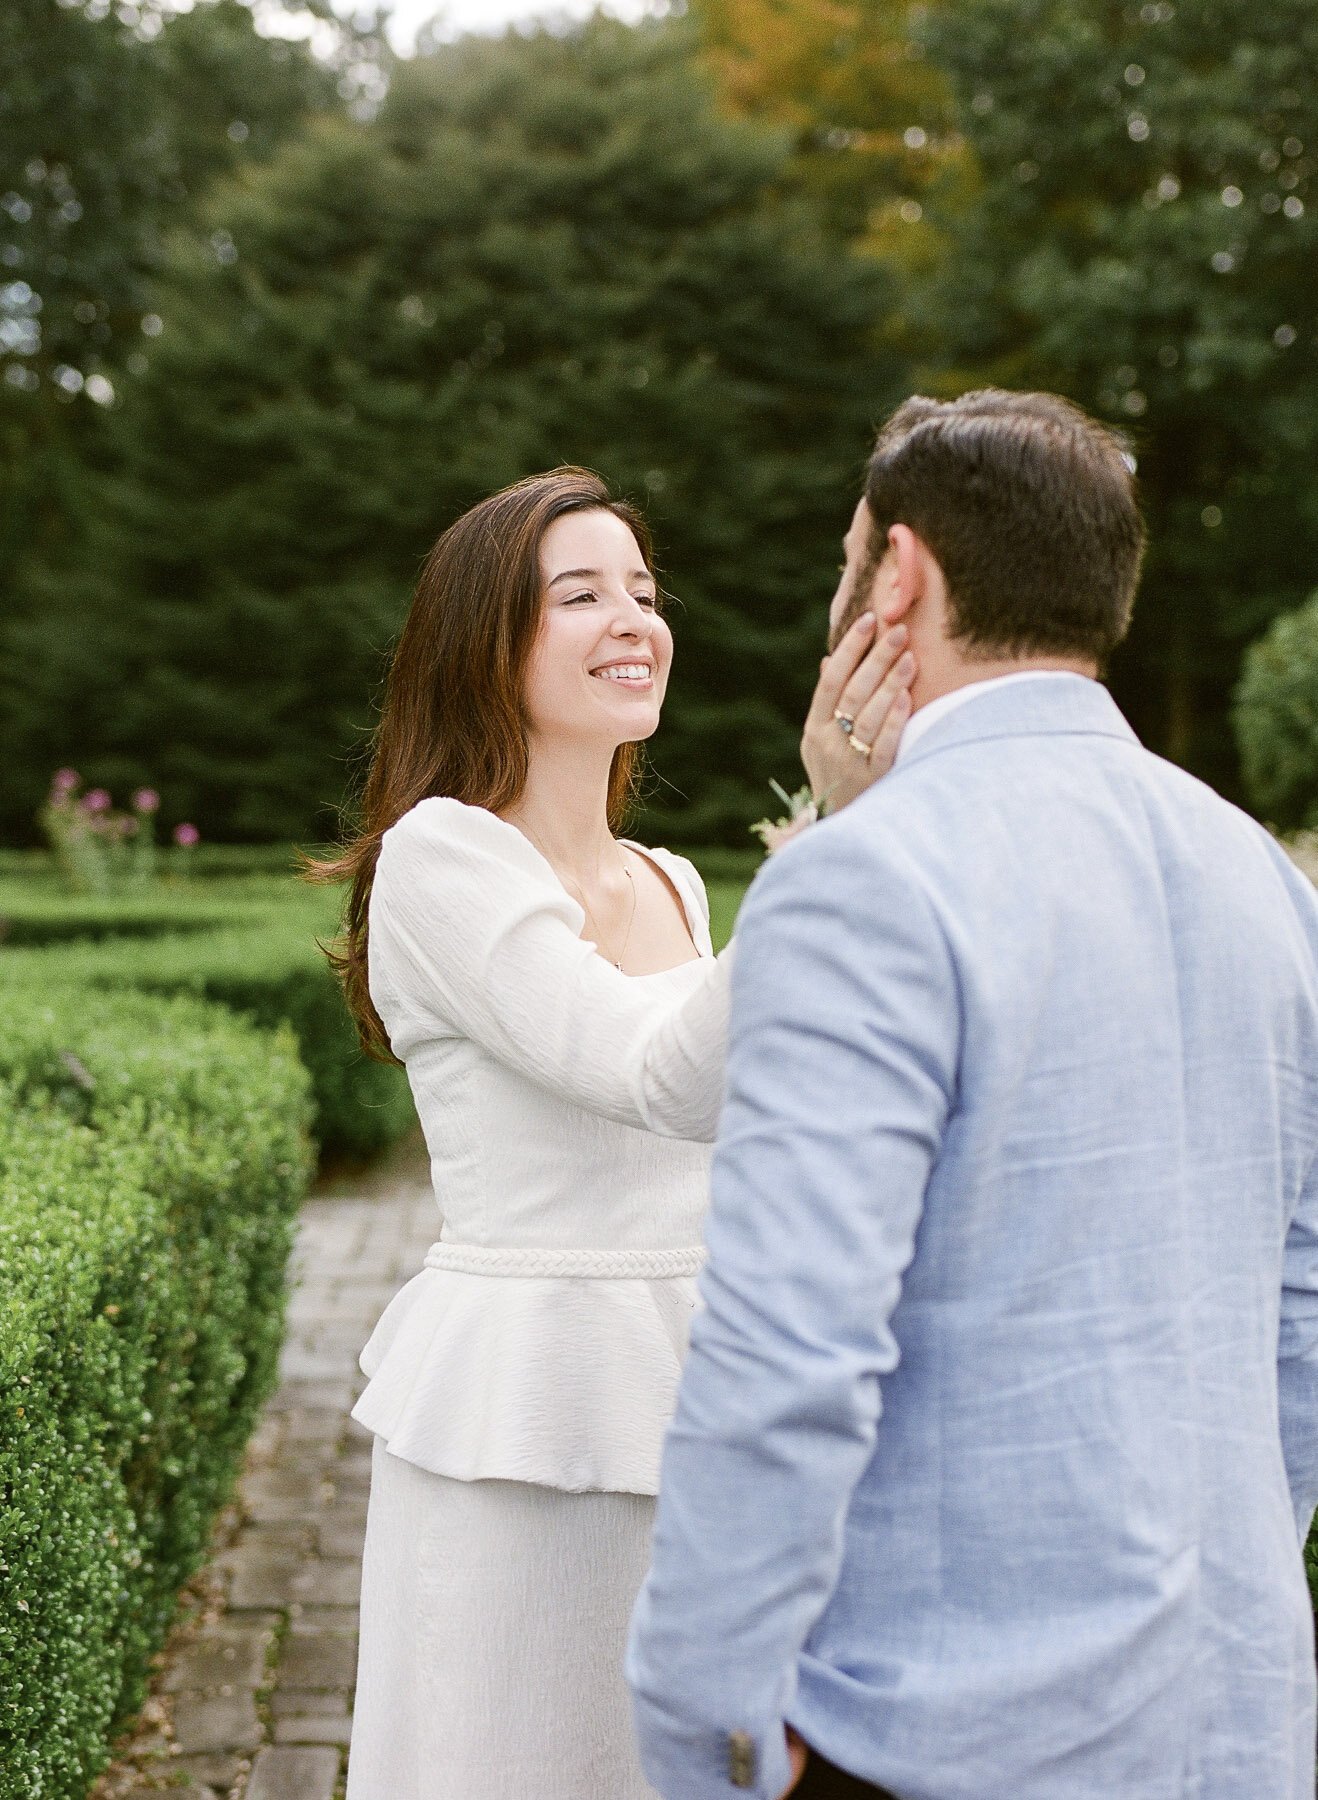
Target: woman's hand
x=867 y=681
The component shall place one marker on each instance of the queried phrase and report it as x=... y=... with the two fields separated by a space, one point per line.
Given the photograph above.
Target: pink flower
x=63 y=780
x=185 y=836
x=146 y=800
x=97 y=801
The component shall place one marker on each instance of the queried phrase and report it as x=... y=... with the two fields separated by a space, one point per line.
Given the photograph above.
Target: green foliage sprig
x=802 y=810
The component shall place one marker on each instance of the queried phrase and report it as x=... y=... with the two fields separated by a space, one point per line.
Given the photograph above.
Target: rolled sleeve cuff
x=712 y=1765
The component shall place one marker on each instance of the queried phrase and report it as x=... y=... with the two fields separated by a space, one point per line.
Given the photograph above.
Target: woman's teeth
x=624 y=672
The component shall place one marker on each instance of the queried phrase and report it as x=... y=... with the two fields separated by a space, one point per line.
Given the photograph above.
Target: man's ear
x=899 y=580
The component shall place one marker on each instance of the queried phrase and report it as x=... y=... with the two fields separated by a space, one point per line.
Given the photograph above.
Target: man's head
x=1002 y=529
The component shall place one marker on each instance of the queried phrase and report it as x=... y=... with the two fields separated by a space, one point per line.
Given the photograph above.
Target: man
x=999 y=1434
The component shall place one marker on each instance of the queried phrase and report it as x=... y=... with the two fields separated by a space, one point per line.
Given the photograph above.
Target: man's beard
x=858 y=601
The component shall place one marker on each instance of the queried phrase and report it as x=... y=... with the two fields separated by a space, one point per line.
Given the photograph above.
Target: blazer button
x=741 y=1759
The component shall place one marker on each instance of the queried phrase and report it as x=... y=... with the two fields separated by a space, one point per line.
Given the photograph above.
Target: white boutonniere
x=802 y=811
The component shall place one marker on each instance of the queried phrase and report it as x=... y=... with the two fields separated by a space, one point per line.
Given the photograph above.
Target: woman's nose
x=632 y=619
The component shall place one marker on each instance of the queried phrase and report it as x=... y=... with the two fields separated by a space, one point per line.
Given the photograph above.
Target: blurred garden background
x=283 y=289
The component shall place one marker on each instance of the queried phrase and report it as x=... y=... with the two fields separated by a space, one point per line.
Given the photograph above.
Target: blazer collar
x=1073 y=705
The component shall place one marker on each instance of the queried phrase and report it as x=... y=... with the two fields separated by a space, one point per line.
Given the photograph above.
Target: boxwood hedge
x=33 y=922
x=153 y=1153
x=256 y=955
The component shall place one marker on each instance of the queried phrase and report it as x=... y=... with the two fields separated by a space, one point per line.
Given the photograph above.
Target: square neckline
x=689 y=917
x=682 y=900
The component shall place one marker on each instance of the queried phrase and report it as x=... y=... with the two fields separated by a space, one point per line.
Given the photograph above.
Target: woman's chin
x=637 y=730
x=633 y=717
x=602 y=735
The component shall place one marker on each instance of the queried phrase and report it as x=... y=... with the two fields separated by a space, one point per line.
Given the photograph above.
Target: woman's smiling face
x=600 y=664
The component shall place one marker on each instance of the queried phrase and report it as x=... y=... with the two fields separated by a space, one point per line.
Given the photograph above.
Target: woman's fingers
x=838 y=668
x=882 y=715
x=867 y=679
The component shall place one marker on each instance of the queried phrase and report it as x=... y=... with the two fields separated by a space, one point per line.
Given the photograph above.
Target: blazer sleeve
x=846 y=1027
x=1297 y=1343
x=1297 y=1355
x=471 y=935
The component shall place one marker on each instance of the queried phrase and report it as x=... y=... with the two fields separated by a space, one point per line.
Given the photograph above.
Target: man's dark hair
x=1029 y=507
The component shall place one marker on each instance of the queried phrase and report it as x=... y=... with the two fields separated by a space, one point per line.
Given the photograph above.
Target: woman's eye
x=646 y=599
x=576 y=599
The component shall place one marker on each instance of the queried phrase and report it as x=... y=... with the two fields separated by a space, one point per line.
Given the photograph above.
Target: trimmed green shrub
x=1276 y=720
x=267 y=967
x=247 y=941
x=28 y=920
x=153 y=1154
x=36 y=907
x=210 y=862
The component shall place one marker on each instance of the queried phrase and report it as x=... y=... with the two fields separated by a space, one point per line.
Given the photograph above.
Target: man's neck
x=936 y=684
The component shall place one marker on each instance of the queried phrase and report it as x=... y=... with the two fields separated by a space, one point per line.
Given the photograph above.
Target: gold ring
x=860 y=749
x=845 y=722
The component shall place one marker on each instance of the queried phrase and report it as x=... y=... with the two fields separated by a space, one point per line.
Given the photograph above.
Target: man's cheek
x=836 y=611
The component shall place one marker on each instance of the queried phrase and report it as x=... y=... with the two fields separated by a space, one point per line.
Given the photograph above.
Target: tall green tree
x=113 y=124
x=543 y=250
x=1144 y=238
x=78 y=189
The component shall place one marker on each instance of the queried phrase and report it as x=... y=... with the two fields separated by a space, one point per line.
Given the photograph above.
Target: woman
x=552 y=992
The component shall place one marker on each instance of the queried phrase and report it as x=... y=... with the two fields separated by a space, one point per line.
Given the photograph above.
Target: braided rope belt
x=597 y=1265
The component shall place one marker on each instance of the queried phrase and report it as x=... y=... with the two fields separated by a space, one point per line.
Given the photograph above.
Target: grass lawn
x=726 y=874
x=724 y=899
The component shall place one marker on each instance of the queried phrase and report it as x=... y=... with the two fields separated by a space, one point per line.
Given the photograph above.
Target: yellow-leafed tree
x=871 y=116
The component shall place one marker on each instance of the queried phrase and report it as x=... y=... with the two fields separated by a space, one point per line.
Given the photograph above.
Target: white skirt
x=493 y=1624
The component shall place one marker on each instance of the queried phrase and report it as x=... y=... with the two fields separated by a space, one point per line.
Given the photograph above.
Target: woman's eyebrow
x=596 y=575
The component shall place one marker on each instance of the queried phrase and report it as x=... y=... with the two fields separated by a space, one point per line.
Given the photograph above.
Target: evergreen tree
x=112 y=124
x=543 y=250
x=79 y=189
x=1144 y=239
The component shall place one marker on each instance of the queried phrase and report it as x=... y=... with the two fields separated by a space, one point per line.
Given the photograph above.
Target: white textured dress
x=520 y=1384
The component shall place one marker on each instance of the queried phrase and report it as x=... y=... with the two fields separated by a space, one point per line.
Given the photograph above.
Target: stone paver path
x=254 y=1699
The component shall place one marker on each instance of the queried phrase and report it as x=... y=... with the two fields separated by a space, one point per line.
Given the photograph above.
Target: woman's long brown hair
x=453 y=720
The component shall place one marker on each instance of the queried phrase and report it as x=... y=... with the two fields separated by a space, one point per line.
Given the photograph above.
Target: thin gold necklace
x=579 y=895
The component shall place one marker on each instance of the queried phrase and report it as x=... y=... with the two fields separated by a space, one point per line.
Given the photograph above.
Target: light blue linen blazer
x=999 y=1431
